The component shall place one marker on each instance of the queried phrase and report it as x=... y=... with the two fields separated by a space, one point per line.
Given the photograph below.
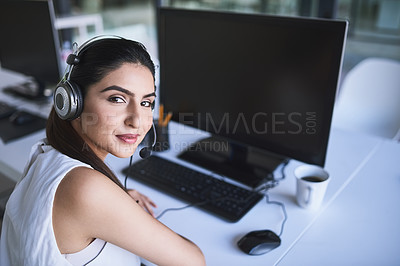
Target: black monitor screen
x=29 y=43
x=264 y=81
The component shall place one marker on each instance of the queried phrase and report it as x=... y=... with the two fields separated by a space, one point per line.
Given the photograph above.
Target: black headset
x=67 y=98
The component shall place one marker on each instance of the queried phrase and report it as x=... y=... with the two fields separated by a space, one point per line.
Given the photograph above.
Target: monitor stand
x=247 y=165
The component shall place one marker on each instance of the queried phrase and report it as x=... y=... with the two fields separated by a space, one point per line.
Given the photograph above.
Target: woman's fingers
x=144 y=201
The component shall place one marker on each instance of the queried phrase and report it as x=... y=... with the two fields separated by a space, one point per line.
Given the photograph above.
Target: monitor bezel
x=336 y=25
x=54 y=50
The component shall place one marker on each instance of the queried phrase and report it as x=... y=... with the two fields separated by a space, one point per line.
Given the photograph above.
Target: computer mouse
x=19 y=118
x=259 y=242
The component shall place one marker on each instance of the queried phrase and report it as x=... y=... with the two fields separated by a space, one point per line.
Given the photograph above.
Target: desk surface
x=361 y=227
x=348 y=154
x=14 y=155
x=357 y=224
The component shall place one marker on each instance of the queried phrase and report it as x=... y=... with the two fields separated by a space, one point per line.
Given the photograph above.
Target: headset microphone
x=146 y=151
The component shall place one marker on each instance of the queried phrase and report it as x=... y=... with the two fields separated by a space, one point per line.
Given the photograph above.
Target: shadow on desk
x=11 y=131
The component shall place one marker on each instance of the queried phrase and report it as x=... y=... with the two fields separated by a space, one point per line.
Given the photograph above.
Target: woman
x=69 y=208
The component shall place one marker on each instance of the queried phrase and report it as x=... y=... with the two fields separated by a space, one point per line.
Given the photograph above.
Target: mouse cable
x=283 y=167
x=265 y=188
x=274 y=181
x=204 y=202
x=180 y=208
x=214 y=200
x=283 y=210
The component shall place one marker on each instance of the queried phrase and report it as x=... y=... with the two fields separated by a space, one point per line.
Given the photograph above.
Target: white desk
x=14 y=155
x=361 y=227
x=347 y=155
x=360 y=203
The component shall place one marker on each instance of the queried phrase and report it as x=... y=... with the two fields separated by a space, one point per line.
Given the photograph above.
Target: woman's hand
x=143 y=201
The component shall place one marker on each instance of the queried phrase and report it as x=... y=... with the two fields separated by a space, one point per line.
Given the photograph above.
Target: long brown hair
x=102 y=57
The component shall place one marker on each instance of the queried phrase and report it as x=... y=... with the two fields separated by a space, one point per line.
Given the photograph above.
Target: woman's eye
x=147 y=103
x=116 y=99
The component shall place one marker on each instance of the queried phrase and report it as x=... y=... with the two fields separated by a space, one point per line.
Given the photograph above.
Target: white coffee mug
x=312 y=182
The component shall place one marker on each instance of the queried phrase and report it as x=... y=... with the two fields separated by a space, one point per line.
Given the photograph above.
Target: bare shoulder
x=89 y=205
x=83 y=182
x=83 y=189
x=78 y=203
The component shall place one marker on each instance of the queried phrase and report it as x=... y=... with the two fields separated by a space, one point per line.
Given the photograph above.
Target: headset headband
x=73 y=59
x=68 y=100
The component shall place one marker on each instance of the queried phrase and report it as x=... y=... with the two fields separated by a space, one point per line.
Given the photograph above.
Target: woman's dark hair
x=95 y=61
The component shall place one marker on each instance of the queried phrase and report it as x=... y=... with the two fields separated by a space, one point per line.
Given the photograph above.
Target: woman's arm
x=143 y=201
x=88 y=205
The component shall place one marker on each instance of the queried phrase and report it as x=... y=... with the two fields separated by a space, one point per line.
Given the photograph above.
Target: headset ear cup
x=68 y=100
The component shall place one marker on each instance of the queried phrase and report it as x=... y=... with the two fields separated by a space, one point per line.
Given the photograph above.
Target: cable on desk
x=271 y=184
x=265 y=188
x=203 y=202
x=275 y=181
x=283 y=210
x=180 y=208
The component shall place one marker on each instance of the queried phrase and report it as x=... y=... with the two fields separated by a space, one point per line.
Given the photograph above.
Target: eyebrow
x=128 y=92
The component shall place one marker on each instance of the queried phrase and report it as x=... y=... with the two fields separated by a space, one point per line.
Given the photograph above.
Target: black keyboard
x=218 y=197
x=6 y=110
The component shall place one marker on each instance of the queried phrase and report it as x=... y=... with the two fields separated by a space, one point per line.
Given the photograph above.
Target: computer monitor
x=29 y=42
x=261 y=85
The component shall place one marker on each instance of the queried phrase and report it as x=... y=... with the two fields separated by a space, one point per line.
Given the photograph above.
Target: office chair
x=369 y=99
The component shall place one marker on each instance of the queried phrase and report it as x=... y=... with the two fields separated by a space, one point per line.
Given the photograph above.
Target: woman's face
x=117 y=111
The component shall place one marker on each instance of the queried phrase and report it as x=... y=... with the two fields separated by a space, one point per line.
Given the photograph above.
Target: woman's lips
x=128 y=138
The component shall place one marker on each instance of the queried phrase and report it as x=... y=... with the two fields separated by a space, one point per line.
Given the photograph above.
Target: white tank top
x=100 y=252
x=27 y=236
